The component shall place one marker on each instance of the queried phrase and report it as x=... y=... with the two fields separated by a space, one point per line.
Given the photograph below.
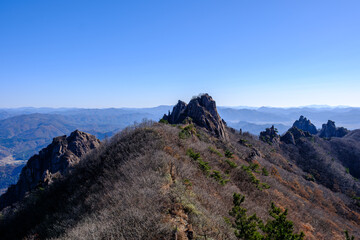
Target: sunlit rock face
x=202 y=111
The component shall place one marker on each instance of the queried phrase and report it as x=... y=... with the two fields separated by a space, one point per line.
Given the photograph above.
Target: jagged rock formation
x=330 y=130
x=304 y=124
x=294 y=134
x=270 y=135
x=50 y=163
x=202 y=111
x=288 y=138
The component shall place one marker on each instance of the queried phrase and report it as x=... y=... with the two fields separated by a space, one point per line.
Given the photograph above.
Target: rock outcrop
x=329 y=130
x=270 y=135
x=51 y=162
x=304 y=124
x=293 y=134
x=202 y=111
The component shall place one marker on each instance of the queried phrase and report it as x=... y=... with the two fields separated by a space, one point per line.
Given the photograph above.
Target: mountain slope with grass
x=185 y=181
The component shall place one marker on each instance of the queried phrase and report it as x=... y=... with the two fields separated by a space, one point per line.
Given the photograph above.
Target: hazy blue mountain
x=251 y=115
x=257 y=128
x=24 y=134
x=348 y=117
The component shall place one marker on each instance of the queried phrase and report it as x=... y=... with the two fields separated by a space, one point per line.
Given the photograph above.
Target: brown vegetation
x=144 y=184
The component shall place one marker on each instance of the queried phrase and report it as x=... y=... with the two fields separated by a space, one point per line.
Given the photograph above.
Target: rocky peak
x=51 y=162
x=293 y=134
x=304 y=124
x=270 y=135
x=174 y=116
x=202 y=110
x=329 y=130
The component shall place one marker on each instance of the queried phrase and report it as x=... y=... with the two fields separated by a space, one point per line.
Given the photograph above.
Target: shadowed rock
x=51 y=162
x=304 y=124
x=330 y=130
x=270 y=135
x=294 y=134
x=202 y=110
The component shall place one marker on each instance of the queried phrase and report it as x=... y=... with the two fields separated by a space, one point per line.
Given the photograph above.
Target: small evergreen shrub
x=310 y=177
x=249 y=170
x=187 y=131
x=187 y=182
x=265 y=171
x=347 y=236
x=264 y=186
x=231 y=163
x=193 y=155
x=204 y=166
x=164 y=121
x=254 y=167
x=218 y=177
x=229 y=154
x=213 y=150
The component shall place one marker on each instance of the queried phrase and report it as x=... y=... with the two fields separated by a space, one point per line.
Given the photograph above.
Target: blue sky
x=87 y=53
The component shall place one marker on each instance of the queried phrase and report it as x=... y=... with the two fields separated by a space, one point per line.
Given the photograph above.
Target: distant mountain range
x=348 y=117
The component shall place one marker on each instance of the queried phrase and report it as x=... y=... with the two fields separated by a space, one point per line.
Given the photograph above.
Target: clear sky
x=85 y=53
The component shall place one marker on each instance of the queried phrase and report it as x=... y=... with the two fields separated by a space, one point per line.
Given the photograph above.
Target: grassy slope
x=143 y=185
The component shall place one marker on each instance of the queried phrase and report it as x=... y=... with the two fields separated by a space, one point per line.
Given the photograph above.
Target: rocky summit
x=200 y=110
x=270 y=135
x=329 y=130
x=51 y=162
x=304 y=124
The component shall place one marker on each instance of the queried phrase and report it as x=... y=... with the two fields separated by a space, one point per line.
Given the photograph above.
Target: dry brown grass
x=141 y=184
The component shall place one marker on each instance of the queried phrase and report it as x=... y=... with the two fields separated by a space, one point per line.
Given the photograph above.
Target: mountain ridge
x=189 y=175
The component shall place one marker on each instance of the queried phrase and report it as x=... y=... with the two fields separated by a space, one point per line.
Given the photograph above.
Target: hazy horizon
x=316 y=106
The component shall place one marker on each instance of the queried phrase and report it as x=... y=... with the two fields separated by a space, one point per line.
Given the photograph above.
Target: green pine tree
x=245 y=227
x=279 y=228
x=347 y=237
x=252 y=228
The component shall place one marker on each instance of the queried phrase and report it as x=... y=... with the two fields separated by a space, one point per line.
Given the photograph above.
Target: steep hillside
x=327 y=156
x=176 y=181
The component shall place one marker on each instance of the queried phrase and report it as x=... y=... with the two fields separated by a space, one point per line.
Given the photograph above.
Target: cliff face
x=51 y=162
x=202 y=111
x=304 y=124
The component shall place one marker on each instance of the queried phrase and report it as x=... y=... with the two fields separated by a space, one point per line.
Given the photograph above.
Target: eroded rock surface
x=51 y=162
x=329 y=130
x=305 y=124
x=202 y=111
x=270 y=135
